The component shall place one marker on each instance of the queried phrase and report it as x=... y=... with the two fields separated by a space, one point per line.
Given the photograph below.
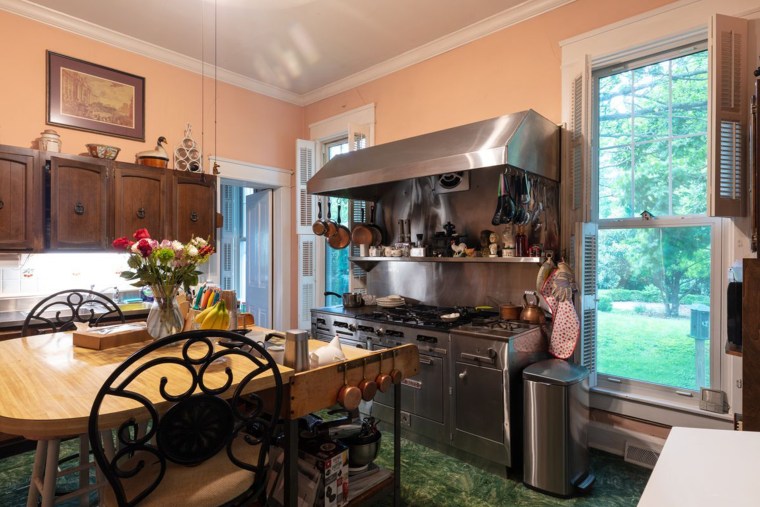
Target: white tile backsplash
x=52 y=272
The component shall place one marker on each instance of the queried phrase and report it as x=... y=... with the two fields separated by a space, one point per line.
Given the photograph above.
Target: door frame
x=281 y=183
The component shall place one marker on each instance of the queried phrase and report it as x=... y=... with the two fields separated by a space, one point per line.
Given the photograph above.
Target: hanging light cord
x=216 y=166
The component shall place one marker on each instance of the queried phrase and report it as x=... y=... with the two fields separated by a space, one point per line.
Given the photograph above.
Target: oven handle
x=479 y=359
x=344 y=333
x=426 y=360
x=322 y=328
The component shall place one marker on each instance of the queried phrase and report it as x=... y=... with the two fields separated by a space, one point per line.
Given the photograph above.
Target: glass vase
x=164 y=317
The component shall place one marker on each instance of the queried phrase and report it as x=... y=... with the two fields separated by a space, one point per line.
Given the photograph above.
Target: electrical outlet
x=406 y=419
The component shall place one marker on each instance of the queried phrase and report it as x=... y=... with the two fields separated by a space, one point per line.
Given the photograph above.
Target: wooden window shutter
x=586 y=270
x=306 y=279
x=576 y=142
x=305 y=169
x=728 y=114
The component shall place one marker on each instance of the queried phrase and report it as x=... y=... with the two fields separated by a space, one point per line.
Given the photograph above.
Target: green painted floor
x=428 y=479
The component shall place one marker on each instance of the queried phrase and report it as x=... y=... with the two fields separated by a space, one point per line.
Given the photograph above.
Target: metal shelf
x=367 y=263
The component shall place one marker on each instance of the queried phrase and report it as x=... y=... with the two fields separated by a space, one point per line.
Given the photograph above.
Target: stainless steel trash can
x=556 y=420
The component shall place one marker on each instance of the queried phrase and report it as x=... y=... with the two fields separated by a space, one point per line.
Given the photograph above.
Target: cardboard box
x=106 y=337
x=331 y=460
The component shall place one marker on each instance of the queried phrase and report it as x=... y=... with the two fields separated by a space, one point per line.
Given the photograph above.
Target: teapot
x=531 y=312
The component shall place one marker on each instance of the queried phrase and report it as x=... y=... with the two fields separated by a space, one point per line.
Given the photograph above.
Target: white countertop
x=701 y=467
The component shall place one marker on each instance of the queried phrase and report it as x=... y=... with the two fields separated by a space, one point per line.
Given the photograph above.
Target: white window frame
x=323 y=133
x=667 y=27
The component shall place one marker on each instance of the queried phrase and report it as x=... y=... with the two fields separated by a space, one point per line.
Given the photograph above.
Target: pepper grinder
x=297 y=349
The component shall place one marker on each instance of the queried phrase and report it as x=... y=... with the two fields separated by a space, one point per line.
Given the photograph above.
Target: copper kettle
x=531 y=312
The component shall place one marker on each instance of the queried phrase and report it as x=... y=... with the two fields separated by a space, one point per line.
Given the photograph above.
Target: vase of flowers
x=165 y=266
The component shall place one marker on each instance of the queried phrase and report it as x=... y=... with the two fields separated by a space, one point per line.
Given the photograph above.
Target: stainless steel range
x=467 y=398
x=425 y=399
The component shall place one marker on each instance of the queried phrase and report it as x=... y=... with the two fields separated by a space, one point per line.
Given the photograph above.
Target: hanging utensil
x=361 y=234
x=342 y=236
x=332 y=227
x=508 y=211
x=319 y=227
x=377 y=233
x=497 y=215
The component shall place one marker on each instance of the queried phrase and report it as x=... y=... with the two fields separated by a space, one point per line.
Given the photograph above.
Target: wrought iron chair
x=60 y=311
x=208 y=412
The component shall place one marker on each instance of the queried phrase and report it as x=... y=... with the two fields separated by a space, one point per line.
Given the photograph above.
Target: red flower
x=144 y=246
x=122 y=243
x=208 y=249
x=141 y=234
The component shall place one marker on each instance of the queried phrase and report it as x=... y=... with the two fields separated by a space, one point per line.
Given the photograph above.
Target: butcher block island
x=42 y=369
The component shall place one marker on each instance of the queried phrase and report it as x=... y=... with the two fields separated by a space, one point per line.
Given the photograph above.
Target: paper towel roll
x=332 y=353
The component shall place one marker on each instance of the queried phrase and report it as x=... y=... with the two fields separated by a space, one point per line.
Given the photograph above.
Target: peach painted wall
x=251 y=127
x=511 y=70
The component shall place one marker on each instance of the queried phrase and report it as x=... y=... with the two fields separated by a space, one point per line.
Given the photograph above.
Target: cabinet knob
x=79 y=208
x=2 y=204
x=463 y=375
x=193 y=216
x=141 y=213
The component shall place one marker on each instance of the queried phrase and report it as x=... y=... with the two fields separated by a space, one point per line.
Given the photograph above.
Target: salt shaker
x=297 y=349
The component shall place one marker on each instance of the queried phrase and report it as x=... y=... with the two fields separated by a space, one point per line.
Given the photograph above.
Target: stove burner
x=424 y=316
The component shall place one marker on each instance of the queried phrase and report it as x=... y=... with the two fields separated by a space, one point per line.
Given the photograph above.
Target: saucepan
x=350 y=299
x=509 y=311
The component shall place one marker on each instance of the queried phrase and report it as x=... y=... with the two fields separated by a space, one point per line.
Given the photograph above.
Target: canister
x=297 y=349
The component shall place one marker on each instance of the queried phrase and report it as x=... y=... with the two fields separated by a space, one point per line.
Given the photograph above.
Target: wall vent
x=452 y=182
x=640 y=456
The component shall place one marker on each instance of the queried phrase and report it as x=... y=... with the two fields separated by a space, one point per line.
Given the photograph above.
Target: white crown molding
x=509 y=17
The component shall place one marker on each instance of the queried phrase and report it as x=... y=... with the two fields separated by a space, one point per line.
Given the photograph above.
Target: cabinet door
x=140 y=200
x=194 y=206
x=80 y=205
x=21 y=200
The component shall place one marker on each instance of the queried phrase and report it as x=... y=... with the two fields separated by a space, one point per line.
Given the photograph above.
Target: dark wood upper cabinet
x=80 y=205
x=194 y=206
x=141 y=200
x=21 y=198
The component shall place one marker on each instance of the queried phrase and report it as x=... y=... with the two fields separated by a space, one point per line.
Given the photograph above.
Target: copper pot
x=383 y=381
x=509 y=311
x=367 y=386
x=349 y=397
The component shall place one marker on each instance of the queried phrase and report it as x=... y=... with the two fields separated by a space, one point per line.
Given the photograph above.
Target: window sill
x=657 y=411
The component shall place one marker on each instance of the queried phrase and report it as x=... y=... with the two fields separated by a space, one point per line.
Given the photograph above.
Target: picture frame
x=90 y=97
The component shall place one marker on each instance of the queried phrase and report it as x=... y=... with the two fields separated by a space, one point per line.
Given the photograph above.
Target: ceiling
x=295 y=50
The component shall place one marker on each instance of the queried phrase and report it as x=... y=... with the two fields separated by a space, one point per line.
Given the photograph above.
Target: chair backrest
x=193 y=402
x=59 y=311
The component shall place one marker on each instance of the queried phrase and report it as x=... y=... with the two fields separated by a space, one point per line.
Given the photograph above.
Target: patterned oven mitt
x=558 y=292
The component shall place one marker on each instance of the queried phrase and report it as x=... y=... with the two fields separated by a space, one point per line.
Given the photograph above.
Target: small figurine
x=459 y=249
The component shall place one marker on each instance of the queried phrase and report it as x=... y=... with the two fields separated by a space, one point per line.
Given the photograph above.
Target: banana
x=202 y=315
x=219 y=318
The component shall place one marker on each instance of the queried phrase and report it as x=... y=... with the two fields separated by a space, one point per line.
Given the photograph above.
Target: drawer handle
x=425 y=360
x=79 y=208
x=193 y=216
x=479 y=359
x=141 y=213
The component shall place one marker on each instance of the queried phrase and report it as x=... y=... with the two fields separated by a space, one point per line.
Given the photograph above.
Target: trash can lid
x=555 y=371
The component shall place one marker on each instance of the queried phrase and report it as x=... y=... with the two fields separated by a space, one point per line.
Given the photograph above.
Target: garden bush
x=605 y=304
x=640 y=309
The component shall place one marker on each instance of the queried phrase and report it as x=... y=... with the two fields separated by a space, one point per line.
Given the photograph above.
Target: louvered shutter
x=728 y=56
x=358 y=138
x=230 y=238
x=306 y=279
x=576 y=142
x=305 y=168
x=586 y=269
x=305 y=215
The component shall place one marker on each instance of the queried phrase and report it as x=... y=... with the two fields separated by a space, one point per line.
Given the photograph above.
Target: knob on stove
x=380 y=331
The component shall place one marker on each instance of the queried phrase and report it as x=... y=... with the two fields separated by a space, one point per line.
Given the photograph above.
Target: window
x=336 y=261
x=656 y=246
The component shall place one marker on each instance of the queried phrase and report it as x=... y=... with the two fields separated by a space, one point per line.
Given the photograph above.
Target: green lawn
x=651 y=349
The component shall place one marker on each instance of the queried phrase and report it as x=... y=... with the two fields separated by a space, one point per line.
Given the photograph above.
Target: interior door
x=258 y=262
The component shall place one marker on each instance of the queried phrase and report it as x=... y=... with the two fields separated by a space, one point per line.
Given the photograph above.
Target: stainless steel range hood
x=525 y=140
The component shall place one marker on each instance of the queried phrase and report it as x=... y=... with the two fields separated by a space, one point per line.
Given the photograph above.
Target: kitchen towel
x=331 y=353
x=558 y=292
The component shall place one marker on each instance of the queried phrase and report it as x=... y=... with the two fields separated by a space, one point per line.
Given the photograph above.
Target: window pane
x=651 y=136
x=336 y=261
x=654 y=300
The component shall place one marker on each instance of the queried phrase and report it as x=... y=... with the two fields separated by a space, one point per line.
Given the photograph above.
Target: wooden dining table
x=47 y=387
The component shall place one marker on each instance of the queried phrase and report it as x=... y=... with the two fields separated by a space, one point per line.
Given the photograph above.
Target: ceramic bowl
x=103 y=151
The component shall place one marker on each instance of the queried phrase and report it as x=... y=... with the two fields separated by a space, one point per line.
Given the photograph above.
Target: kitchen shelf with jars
x=367 y=263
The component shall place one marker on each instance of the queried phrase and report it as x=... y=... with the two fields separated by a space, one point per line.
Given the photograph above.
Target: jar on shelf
x=50 y=141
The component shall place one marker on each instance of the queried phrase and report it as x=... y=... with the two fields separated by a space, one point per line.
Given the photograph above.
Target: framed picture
x=86 y=96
